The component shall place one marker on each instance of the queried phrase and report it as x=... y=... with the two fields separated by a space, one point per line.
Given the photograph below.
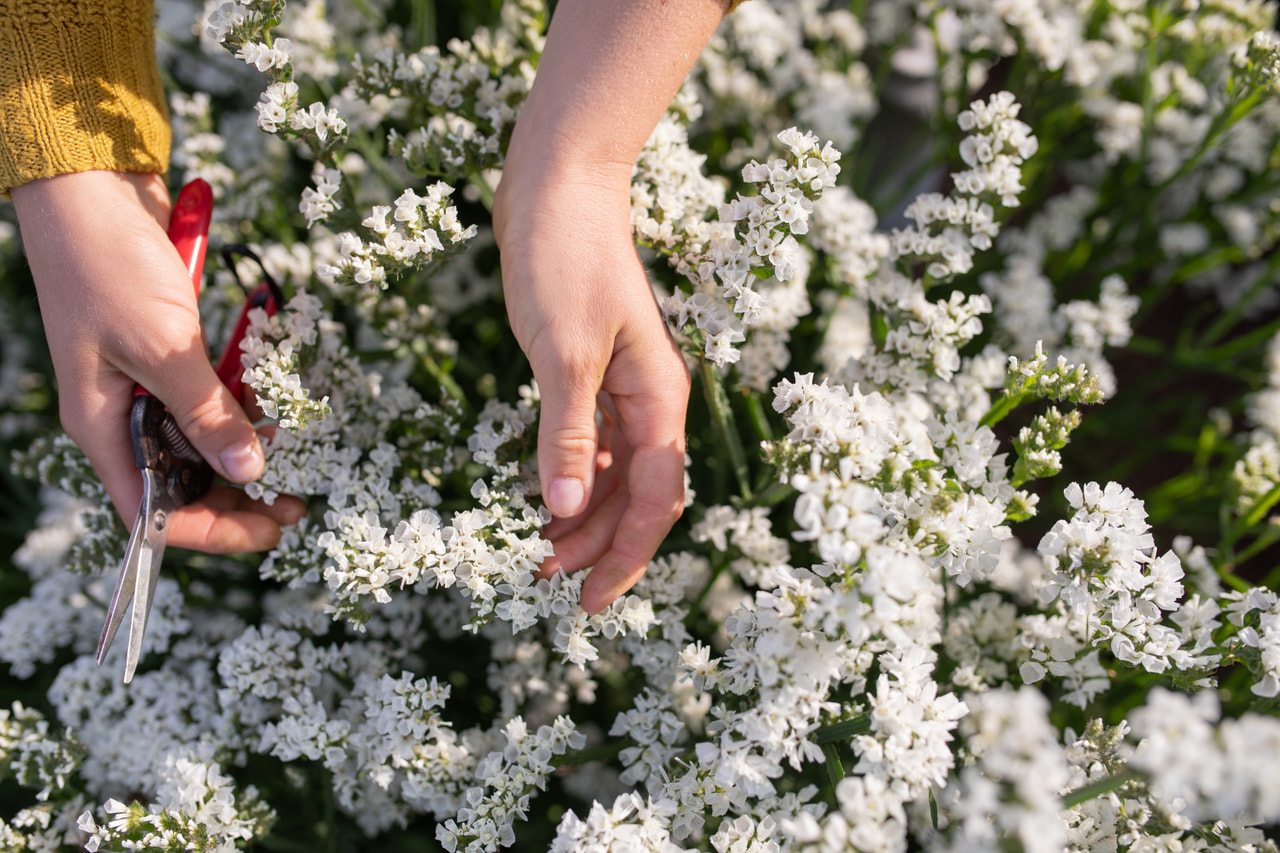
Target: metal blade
x=157 y=507
x=125 y=583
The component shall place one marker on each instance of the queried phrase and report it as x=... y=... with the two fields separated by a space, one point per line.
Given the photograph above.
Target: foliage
x=980 y=303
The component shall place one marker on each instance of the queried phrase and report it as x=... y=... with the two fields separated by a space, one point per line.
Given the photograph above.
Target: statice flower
x=196 y=807
x=264 y=57
x=410 y=233
x=32 y=755
x=870 y=818
x=982 y=636
x=1050 y=31
x=1257 y=613
x=318 y=120
x=1017 y=772
x=844 y=229
x=1204 y=766
x=775 y=64
x=233 y=21
x=56 y=462
x=197 y=149
x=911 y=727
x=320 y=201
x=461 y=102
x=271 y=355
x=754 y=238
x=631 y=825
x=275 y=106
x=949 y=228
x=506 y=779
x=1113 y=588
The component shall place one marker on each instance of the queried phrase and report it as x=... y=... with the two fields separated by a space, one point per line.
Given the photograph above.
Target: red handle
x=189 y=233
x=189 y=227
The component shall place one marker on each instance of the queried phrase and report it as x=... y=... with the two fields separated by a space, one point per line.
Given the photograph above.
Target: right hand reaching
x=119 y=309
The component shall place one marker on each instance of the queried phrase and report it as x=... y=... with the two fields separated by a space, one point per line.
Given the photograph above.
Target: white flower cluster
x=507 y=777
x=1023 y=301
x=235 y=21
x=844 y=229
x=773 y=64
x=747 y=269
x=197 y=149
x=462 y=103
x=79 y=529
x=383 y=530
x=245 y=29
x=1112 y=590
x=870 y=818
x=1011 y=786
x=31 y=755
x=197 y=807
x=949 y=228
x=1203 y=767
x=279 y=110
x=863 y=614
x=1048 y=29
x=264 y=57
x=1256 y=475
x=271 y=354
x=1259 y=636
x=410 y=233
x=321 y=200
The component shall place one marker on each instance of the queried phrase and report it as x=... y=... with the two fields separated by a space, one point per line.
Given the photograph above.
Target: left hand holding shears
x=119 y=311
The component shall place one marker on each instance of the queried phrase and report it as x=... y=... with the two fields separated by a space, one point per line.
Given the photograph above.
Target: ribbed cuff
x=79 y=89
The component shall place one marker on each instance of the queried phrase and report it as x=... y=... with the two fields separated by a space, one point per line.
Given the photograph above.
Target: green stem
x=1001 y=408
x=717 y=569
x=1111 y=783
x=1257 y=546
x=446 y=381
x=842 y=730
x=722 y=417
x=759 y=419
x=423 y=22
x=835 y=768
x=1237 y=345
x=1260 y=509
x=477 y=180
x=1233 y=314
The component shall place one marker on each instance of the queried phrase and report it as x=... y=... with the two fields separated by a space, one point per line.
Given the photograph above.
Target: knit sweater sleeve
x=79 y=89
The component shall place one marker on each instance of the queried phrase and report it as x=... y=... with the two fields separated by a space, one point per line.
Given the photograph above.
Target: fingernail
x=242 y=464
x=564 y=497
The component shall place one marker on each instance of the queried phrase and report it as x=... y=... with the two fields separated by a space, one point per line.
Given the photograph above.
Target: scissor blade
x=141 y=609
x=155 y=519
x=125 y=584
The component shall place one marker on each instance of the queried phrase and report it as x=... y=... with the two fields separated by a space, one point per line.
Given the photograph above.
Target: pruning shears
x=174 y=474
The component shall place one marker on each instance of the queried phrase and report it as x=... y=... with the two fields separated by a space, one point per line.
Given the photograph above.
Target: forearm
x=609 y=70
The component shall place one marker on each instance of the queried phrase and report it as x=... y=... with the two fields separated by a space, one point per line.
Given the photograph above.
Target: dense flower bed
x=911 y=250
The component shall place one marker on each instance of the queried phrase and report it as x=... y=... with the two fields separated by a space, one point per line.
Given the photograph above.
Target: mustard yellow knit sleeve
x=79 y=89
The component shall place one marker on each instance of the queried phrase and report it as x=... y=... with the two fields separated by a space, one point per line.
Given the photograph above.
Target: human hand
x=119 y=309
x=577 y=296
x=583 y=311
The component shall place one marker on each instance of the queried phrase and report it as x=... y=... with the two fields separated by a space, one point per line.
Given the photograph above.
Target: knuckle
x=203 y=418
x=571 y=441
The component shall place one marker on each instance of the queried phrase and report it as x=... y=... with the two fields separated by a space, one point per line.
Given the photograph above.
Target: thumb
x=567 y=439
x=208 y=415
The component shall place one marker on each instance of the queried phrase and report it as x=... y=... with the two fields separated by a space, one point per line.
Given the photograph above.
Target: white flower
x=267 y=57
